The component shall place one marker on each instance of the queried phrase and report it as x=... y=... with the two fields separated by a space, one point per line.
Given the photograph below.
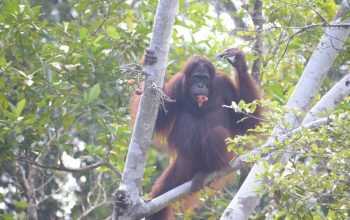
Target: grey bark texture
x=258 y=21
x=127 y=198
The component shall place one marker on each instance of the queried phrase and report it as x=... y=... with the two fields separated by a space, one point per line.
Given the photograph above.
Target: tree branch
x=61 y=167
x=319 y=64
x=258 y=21
x=330 y=100
x=307 y=28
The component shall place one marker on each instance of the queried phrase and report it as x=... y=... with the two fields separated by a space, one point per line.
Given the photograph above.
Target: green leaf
x=2 y=60
x=21 y=205
x=6 y=216
x=68 y=121
x=112 y=32
x=19 y=108
x=93 y=93
x=10 y=7
x=83 y=32
x=3 y=102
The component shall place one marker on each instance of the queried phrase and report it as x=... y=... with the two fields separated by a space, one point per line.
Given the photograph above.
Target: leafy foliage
x=314 y=183
x=61 y=86
x=65 y=87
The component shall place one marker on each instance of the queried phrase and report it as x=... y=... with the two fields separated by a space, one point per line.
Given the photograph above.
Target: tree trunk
x=258 y=21
x=127 y=198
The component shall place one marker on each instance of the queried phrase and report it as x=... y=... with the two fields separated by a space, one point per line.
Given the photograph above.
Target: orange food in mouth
x=201 y=99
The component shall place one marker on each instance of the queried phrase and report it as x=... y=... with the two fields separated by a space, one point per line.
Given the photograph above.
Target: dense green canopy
x=67 y=71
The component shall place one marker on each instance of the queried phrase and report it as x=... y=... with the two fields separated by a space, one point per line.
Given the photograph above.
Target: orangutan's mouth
x=201 y=100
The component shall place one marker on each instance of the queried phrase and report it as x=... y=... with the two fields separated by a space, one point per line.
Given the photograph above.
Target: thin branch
x=249 y=115
x=311 y=7
x=47 y=182
x=310 y=26
x=92 y=208
x=105 y=18
x=331 y=99
x=32 y=209
x=67 y=169
x=324 y=20
x=307 y=28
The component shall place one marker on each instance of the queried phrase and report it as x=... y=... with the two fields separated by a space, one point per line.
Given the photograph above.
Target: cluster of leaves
x=60 y=81
x=256 y=137
x=62 y=76
x=314 y=183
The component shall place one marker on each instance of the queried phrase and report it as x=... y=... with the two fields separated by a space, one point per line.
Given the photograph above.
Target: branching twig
x=132 y=69
x=162 y=97
x=32 y=211
x=246 y=114
x=306 y=28
x=61 y=167
x=92 y=208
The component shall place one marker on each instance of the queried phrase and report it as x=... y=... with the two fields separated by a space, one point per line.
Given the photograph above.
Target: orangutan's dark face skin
x=199 y=85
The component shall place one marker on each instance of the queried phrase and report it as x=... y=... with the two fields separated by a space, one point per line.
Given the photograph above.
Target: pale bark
x=330 y=100
x=127 y=199
x=246 y=199
x=325 y=106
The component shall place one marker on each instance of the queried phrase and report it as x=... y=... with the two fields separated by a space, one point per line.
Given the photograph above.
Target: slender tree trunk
x=127 y=198
x=258 y=21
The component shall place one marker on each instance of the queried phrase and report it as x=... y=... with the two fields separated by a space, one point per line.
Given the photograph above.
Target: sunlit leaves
x=244 y=107
x=19 y=107
x=57 y=82
x=92 y=94
x=112 y=32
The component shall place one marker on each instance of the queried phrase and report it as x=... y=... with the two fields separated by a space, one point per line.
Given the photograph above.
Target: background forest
x=68 y=69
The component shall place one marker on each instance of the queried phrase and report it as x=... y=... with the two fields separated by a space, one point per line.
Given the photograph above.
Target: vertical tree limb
x=29 y=189
x=127 y=198
x=258 y=21
x=246 y=199
x=231 y=9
